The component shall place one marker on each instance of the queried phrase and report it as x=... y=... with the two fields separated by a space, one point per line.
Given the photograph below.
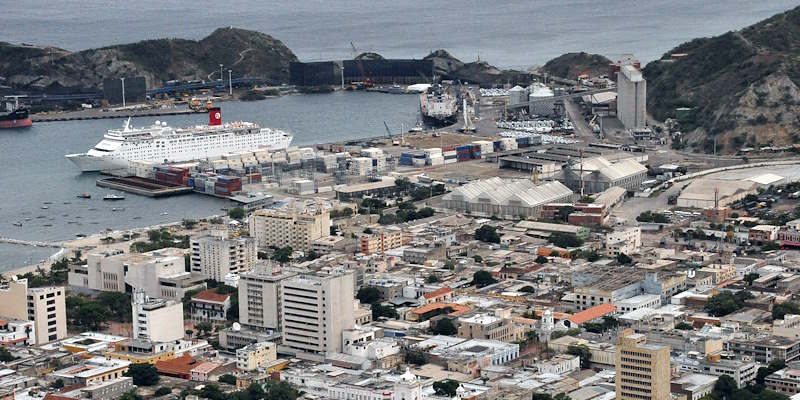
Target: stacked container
x=172 y=175
x=523 y=142
x=464 y=152
x=508 y=144
x=486 y=147
x=227 y=185
x=449 y=154
x=475 y=151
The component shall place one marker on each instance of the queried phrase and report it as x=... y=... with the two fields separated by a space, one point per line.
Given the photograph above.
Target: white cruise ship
x=161 y=143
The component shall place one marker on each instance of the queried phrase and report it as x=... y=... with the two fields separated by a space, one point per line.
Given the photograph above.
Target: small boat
x=47 y=225
x=113 y=197
x=48 y=202
x=164 y=213
x=84 y=195
x=92 y=209
x=17 y=223
x=27 y=218
x=80 y=235
x=417 y=128
x=41 y=216
x=45 y=207
x=67 y=202
x=137 y=217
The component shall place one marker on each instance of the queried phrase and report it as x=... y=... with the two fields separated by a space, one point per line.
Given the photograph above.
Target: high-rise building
x=260 y=297
x=631 y=97
x=43 y=306
x=315 y=309
x=158 y=320
x=642 y=370
x=215 y=256
x=297 y=229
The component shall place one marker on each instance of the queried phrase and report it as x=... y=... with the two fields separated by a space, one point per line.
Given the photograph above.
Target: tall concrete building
x=157 y=320
x=315 y=309
x=281 y=228
x=215 y=256
x=260 y=297
x=43 y=306
x=631 y=97
x=642 y=370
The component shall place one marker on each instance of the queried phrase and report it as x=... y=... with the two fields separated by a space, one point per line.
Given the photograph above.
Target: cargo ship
x=438 y=107
x=163 y=144
x=15 y=117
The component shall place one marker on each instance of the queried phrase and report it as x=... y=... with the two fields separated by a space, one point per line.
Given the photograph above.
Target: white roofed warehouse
x=505 y=198
x=599 y=174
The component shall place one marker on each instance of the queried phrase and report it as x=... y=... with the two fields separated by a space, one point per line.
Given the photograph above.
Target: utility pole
x=123 y=91
x=230 y=83
x=220 y=73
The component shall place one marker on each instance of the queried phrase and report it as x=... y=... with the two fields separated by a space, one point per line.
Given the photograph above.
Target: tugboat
x=113 y=197
x=15 y=116
x=84 y=195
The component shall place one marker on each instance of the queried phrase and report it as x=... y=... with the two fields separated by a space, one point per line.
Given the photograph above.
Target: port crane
x=367 y=82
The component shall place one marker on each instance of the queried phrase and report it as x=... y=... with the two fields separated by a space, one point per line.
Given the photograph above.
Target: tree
x=541 y=260
x=431 y=279
x=564 y=212
x=583 y=352
x=447 y=387
x=769 y=246
x=483 y=278
x=488 y=234
x=236 y=213
x=131 y=395
x=165 y=390
x=189 y=223
x=368 y=295
x=143 y=374
x=203 y=328
x=724 y=387
x=623 y=259
x=425 y=212
x=725 y=303
x=311 y=255
x=751 y=277
x=57 y=384
x=283 y=254
x=227 y=378
x=763 y=372
x=565 y=240
x=477 y=258
x=387 y=219
x=683 y=326
x=414 y=357
x=445 y=326
x=367 y=231
x=528 y=289
x=5 y=355
x=379 y=310
x=780 y=310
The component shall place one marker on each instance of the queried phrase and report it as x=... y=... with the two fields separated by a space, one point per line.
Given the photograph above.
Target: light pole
x=123 y=91
x=220 y=73
x=230 y=84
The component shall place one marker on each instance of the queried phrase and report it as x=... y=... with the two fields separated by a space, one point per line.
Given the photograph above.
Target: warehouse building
x=505 y=198
x=704 y=192
x=600 y=174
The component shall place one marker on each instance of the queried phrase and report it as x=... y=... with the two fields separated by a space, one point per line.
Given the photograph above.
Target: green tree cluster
x=83 y=312
x=781 y=309
x=583 y=352
x=565 y=240
x=488 y=234
x=447 y=387
x=724 y=303
x=444 y=326
x=237 y=213
x=483 y=279
x=160 y=239
x=143 y=374
x=649 y=216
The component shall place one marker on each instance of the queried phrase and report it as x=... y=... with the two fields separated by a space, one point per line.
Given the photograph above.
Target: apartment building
x=642 y=370
x=215 y=256
x=626 y=241
x=485 y=326
x=256 y=355
x=209 y=305
x=92 y=371
x=765 y=349
x=157 y=320
x=297 y=229
x=260 y=297
x=315 y=309
x=382 y=241
x=43 y=306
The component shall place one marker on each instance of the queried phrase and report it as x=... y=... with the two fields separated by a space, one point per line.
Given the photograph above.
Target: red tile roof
x=438 y=292
x=211 y=295
x=180 y=366
x=592 y=313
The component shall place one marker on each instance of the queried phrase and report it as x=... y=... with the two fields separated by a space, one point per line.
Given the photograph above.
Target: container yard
x=143 y=186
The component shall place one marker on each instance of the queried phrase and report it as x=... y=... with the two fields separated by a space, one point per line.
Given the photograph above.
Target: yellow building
x=256 y=355
x=643 y=370
x=141 y=351
x=91 y=371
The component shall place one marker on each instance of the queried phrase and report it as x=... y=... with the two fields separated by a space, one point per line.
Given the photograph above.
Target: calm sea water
x=504 y=32
x=33 y=169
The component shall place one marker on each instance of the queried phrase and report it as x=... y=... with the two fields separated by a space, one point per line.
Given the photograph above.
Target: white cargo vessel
x=161 y=143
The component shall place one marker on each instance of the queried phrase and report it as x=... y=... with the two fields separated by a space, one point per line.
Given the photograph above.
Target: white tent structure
x=505 y=198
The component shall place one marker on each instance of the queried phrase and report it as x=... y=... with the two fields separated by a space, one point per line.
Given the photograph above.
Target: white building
x=542 y=95
x=505 y=198
x=259 y=297
x=157 y=320
x=625 y=241
x=44 y=306
x=631 y=97
x=216 y=256
x=315 y=309
x=17 y=333
x=297 y=229
x=560 y=364
x=634 y=303
x=388 y=387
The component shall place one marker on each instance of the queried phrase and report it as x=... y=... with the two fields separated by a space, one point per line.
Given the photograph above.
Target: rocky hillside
x=449 y=67
x=247 y=53
x=742 y=86
x=571 y=65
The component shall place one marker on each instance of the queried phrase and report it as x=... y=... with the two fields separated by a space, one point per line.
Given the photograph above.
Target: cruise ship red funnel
x=215 y=116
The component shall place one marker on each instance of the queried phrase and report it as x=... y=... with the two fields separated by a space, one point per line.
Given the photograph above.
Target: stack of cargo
x=408 y=157
x=434 y=156
x=302 y=186
x=140 y=168
x=377 y=156
x=279 y=157
x=227 y=185
x=475 y=151
x=449 y=154
x=508 y=144
x=486 y=147
x=497 y=146
x=523 y=142
x=464 y=152
x=361 y=166
x=263 y=156
x=172 y=175
x=219 y=164
x=326 y=163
